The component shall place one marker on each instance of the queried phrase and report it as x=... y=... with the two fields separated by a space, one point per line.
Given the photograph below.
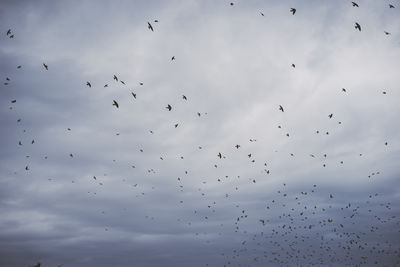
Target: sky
x=223 y=178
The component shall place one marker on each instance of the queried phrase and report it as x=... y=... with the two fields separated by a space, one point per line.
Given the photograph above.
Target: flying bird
x=19 y=67
x=357 y=26
x=293 y=65
x=45 y=66
x=293 y=10
x=281 y=108
x=262 y=14
x=184 y=97
x=330 y=116
x=391 y=6
x=149 y=26
x=115 y=78
x=219 y=155
x=168 y=107
x=115 y=103
x=344 y=89
x=89 y=84
x=134 y=95
x=8 y=32
x=354 y=4
x=387 y=33
x=173 y=58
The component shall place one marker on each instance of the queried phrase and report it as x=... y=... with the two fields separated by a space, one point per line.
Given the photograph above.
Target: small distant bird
x=391 y=6
x=134 y=95
x=281 y=108
x=344 y=89
x=262 y=14
x=198 y=114
x=12 y=36
x=231 y=4
x=45 y=66
x=237 y=146
x=168 y=107
x=20 y=143
x=184 y=97
x=293 y=10
x=293 y=65
x=115 y=78
x=354 y=4
x=384 y=92
x=33 y=141
x=13 y=101
x=27 y=168
x=71 y=155
x=156 y=20
x=330 y=116
x=122 y=82
x=386 y=143
x=149 y=26
x=8 y=32
x=176 y=125
x=19 y=67
x=89 y=84
x=219 y=155
x=141 y=83
x=173 y=58
x=387 y=33
x=357 y=26
x=115 y=104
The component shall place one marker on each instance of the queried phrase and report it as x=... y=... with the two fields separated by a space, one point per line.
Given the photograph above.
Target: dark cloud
x=107 y=186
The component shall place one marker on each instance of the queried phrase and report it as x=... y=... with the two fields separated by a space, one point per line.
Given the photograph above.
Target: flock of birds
x=292 y=228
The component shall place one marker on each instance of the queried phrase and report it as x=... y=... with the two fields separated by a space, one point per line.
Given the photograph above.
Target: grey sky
x=234 y=67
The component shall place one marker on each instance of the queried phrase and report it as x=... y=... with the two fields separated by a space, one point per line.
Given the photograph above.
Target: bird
x=237 y=146
x=122 y=82
x=293 y=65
x=89 y=84
x=281 y=108
x=19 y=67
x=354 y=4
x=12 y=36
x=115 y=78
x=176 y=125
x=387 y=33
x=8 y=32
x=391 y=6
x=173 y=58
x=150 y=26
x=106 y=85
x=330 y=116
x=13 y=101
x=344 y=89
x=156 y=20
x=184 y=97
x=168 y=107
x=115 y=103
x=134 y=95
x=357 y=26
x=262 y=14
x=293 y=10
x=219 y=155
x=45 y=66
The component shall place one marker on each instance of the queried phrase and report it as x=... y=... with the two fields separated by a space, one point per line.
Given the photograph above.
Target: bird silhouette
x=89 y=84
x=293 y=10
x=357 y=26
x=8 y=32
x=150 y=26
x=391 y=6
x=115 y=78
x=115 y=103
x=45 y=66
x=168 y=107
x=134 y=95
x=184 y=97
x=354 y=4
x=281 y=108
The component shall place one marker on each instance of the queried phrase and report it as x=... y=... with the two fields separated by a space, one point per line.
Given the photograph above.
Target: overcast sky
x=223 y=178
